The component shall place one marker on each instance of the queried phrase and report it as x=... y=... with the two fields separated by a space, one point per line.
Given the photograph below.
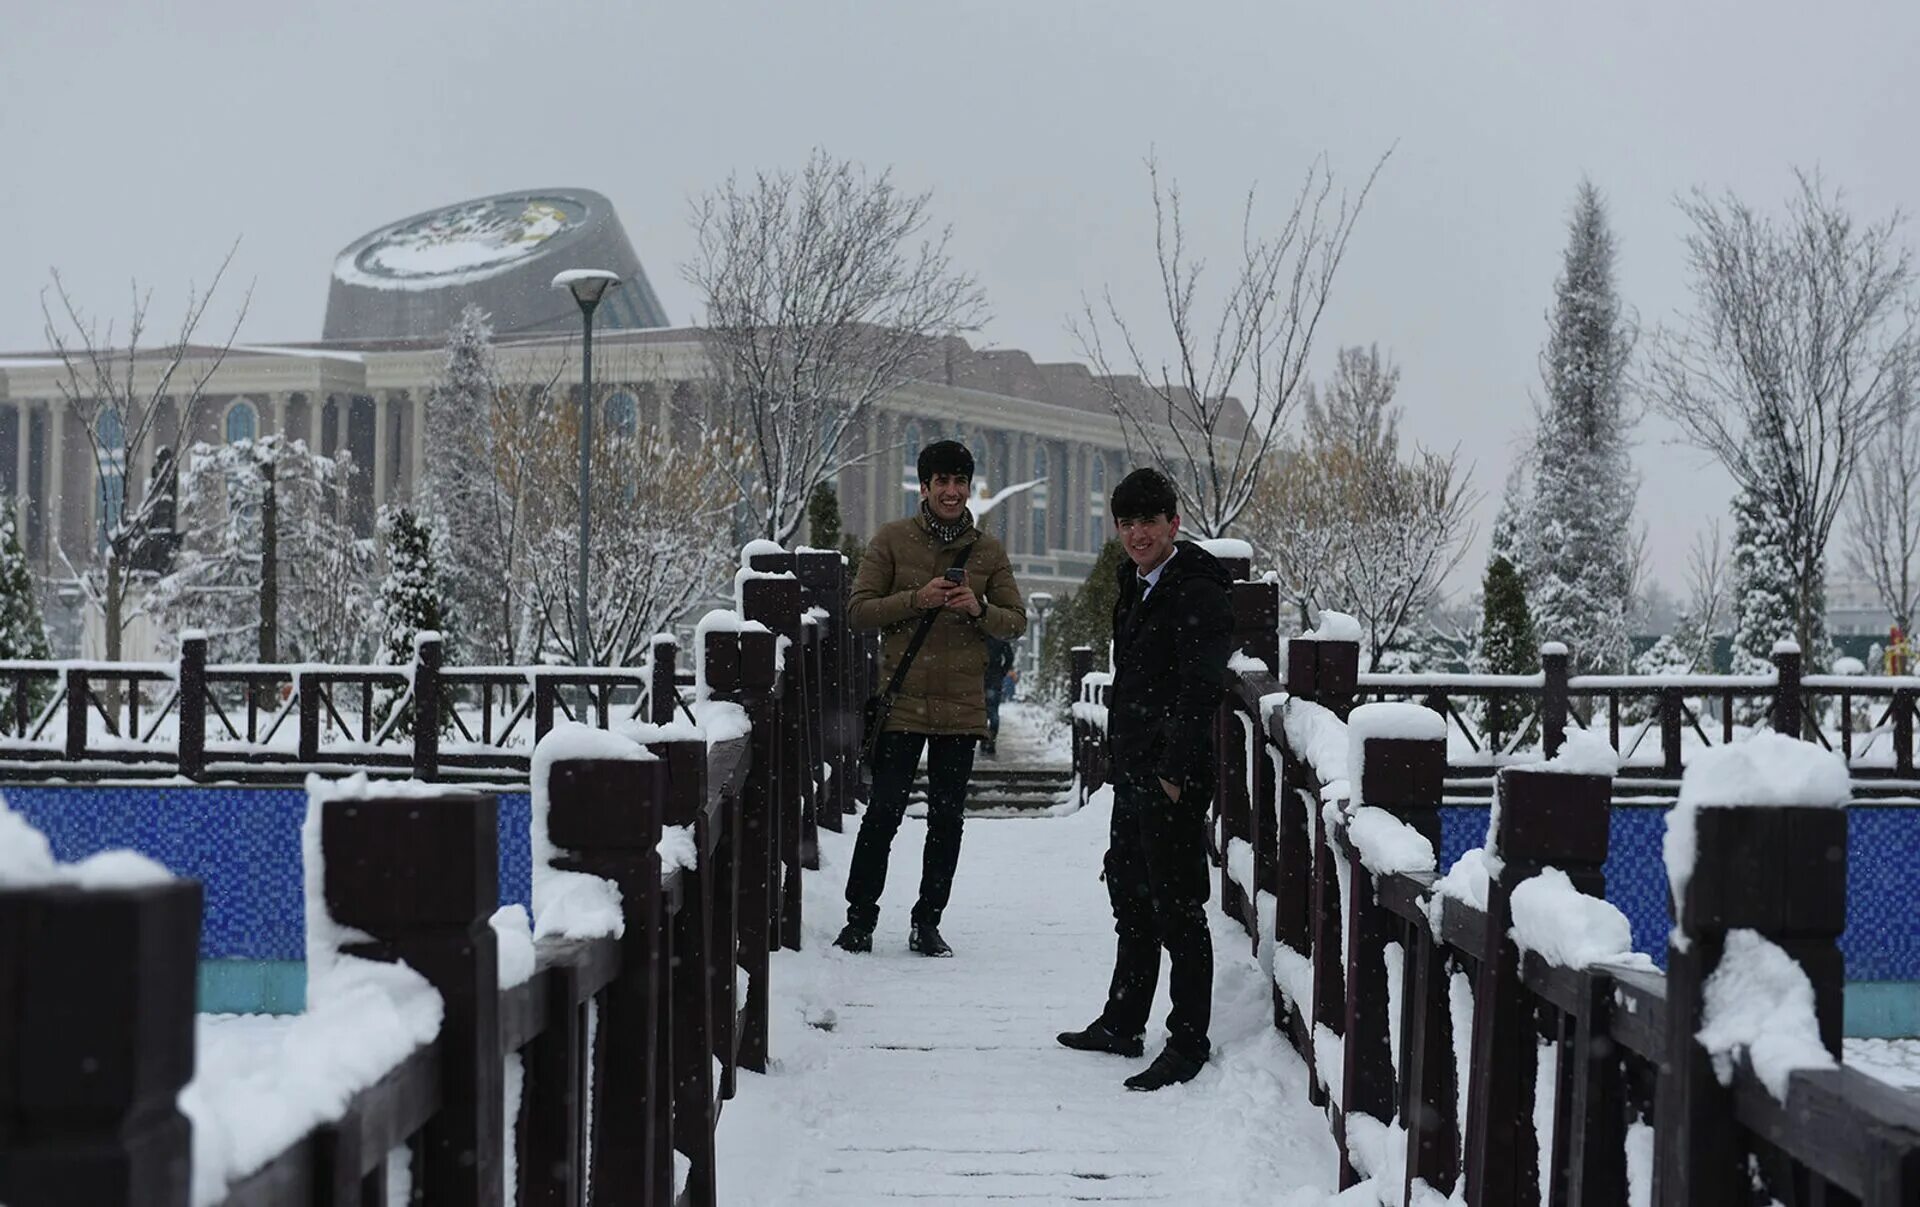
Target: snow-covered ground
x=939 y=1080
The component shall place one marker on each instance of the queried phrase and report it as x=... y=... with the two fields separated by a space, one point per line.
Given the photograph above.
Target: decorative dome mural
x=410 y=279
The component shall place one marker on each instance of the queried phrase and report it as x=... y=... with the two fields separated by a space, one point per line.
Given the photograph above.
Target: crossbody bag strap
x=920 y=634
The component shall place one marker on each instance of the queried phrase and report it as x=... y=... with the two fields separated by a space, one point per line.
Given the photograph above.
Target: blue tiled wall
x=242 y=843
x=1882 y=940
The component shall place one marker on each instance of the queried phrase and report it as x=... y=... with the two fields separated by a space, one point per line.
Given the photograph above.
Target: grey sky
x=139 y=144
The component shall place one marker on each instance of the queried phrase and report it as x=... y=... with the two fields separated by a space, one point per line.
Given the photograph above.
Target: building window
x=1037 y=501
x=112 y=435
x=910 y=467
x=1096 y=501
x=623 y=416
x=243 y=422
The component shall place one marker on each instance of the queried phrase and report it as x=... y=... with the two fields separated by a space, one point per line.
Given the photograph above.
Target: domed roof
x=410 y=279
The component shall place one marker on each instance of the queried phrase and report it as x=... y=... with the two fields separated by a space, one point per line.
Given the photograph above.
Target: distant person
x=1172 y=633
x=927 y=566
x=998 y=686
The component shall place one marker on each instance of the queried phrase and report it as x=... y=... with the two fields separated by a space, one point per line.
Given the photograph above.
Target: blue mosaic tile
x=1882 y=939
x=243 y=844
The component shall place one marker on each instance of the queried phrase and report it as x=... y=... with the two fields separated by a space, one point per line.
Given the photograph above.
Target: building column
x=417 y=446
x=381 y=484
x=22 y=500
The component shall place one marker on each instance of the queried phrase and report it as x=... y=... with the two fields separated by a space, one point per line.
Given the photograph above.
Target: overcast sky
x=141 y=143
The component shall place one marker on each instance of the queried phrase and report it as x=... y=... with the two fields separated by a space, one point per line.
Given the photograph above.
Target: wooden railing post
x=420 y=875
x=428 y=654
x=1787 y=710
x=662 y=694
x=741 y=670
x=1545 y=819
x=823 y=585
x=1778 y=870
x=192 y=704
x=1672 y=719
x=78 y=702
x=543 y=706
x=1256 y=633
x=96 y=1043
x=1401 y=776
x=607 y=814
x=692 y=1052
x=775 y=603
x=1554 y=698
x=306 y=685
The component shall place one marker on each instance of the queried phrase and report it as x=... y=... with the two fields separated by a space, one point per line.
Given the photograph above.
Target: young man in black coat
x=1172 y=632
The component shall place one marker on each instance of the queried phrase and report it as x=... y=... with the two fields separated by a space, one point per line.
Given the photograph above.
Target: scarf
x=944 y=532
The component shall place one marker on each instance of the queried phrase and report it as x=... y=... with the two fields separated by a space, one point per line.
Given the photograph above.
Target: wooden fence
x=97 y=986
x=1365 y=957
x=276 y=723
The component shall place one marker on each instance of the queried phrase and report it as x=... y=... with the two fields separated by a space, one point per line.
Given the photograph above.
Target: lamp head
x=588 y=285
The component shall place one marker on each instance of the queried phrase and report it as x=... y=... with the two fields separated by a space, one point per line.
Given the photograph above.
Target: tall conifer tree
x=1579 y=568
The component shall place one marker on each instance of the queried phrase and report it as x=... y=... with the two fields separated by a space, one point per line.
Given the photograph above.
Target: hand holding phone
x=955 y=575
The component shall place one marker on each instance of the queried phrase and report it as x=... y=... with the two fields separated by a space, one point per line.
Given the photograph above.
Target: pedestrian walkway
x=939 y=1081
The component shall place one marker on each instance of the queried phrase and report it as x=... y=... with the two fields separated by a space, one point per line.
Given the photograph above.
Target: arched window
x=623 y=416
x=112 y=435
x=1037 y=501
x=910 y=467
x=1096 y=500
x=243 y=422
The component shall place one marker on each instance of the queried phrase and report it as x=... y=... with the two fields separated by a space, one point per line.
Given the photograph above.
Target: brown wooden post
x=823 y=585
x=662 y=694
x=693 y=987
x=420 y=874
x=1787 y=712
x=1671 y=721
x=1554 y=698
x=543 y=706
x=427 y=656
x=775 y=603
x=607 y=813
x=192 y=705
x=96 y=1042
x=306 y=685
x=1545 y=819
x=79 y=700
x=552 y=1173
x=1902 y=709
x=1080 y=663
x=747 y=678
x=1778 y=870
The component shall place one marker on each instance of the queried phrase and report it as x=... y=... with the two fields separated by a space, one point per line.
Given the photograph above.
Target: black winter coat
x=1170 y=656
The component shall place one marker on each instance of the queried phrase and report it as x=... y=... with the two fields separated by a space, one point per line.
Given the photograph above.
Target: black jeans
x=896 y=761
x=1158 y=882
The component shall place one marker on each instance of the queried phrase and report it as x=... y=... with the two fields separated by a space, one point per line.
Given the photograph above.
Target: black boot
x=925 y=939
x=854 y=938
x=1097 y=1038
x=1171 y=1067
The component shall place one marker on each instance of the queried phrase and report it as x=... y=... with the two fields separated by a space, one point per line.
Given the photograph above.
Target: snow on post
x=1323 y=663
x=408 y=874
x=118 y=933
x=567 y=903
x=1756 y=854
x=1396 y=760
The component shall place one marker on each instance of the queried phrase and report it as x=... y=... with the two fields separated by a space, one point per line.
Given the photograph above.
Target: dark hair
x=1144 y=494
x=945 y=457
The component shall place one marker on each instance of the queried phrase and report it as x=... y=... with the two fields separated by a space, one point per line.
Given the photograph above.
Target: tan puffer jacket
x=945 y=689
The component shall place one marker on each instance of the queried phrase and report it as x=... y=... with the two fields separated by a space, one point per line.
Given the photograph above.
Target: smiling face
x=947 y=495
x=1148 y=541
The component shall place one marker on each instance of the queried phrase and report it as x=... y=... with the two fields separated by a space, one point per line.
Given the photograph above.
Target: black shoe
x=856 y=939
x=986 y=748
x=925 y=939
x=1171 y=1067
x=1097 y=1038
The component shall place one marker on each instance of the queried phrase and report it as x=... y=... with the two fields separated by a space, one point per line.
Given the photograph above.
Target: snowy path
x=939 y=1081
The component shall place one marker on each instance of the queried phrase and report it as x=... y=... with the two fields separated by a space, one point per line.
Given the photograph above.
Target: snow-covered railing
x=585 y=1057
x=1089 y=715
x=1489 y=1036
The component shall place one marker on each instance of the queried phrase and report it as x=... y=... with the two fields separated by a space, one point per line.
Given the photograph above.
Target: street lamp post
x=1041 y=604
x=588 y=286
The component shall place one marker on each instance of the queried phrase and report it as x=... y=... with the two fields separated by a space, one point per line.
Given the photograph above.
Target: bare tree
x=118 y=395
x=1883 y=518
x=824 y=291
x=1790 y=364
x=1350 y=522
x=1209 y=415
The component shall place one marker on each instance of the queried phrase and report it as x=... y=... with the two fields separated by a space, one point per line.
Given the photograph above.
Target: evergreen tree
x=1579 y=569
x=1083 y=618
x=824 y=530
x=412 y=599
x=23 y=630
x=1509 y=537
x=1506 y=643
x=457 y=489
x=1764 y=594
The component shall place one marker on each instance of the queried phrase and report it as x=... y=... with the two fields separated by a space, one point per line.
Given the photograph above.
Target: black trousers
x=1158 y=882
x=896 y=761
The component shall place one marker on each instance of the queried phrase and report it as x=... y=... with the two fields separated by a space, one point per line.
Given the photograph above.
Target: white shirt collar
x=1152 y=579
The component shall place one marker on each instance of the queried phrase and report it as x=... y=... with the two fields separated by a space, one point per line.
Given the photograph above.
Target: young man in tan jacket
x=942 y=707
